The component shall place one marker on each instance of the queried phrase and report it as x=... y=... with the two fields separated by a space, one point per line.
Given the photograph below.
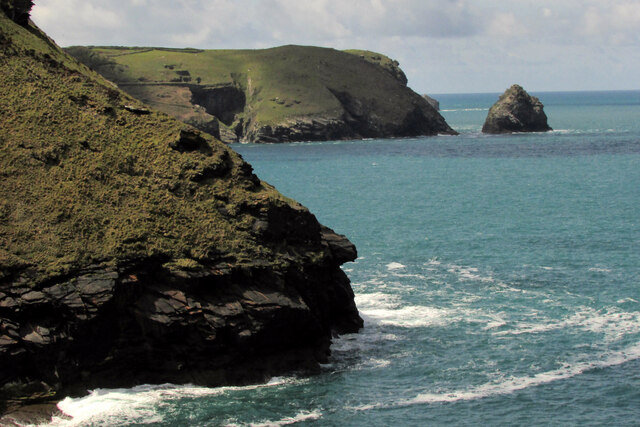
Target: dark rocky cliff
x=516 y=111
x=134 y=249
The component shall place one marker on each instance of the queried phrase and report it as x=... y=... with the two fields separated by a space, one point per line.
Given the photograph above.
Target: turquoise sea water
x=499 y=279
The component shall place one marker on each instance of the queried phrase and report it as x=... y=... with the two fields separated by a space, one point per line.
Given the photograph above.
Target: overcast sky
x=444 y=46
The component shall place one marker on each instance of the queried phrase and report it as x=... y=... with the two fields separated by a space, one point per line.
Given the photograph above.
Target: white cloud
x=616 y=24
x=81 y=13
x=506 y=25
x=461 y=45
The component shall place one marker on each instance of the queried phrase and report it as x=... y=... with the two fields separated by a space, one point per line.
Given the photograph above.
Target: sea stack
x=516 y=111
x=136 y=249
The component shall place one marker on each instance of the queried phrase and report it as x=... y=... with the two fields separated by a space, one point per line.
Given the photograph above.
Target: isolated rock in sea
x=516 y=111
x=432 y=101
x=136 y=249
x=284 y=94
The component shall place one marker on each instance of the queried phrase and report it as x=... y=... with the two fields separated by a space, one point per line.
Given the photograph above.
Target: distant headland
x=284 y=94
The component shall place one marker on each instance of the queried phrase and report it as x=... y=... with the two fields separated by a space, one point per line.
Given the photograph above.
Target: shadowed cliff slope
x=135 y=249
x=288 y=93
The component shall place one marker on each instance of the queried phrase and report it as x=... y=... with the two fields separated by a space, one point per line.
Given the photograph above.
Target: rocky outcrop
x=153 y=322
x=516 y=111
x=135 y=249
x=17 y=10
x=432 y=101
x=357 y=120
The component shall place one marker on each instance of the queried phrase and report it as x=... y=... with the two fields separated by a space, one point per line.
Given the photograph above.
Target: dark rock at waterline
x=516 y=111
x=152 y=323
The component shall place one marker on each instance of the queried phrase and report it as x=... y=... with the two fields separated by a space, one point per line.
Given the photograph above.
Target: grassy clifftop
x=135 y=249
x=89 y=175
x=320 y=93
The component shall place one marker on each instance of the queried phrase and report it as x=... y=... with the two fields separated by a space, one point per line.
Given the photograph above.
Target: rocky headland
x=284 y=94
x=137 y=249
x=516 y=111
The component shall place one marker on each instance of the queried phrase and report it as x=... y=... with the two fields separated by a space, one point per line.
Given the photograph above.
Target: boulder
x=516 y=111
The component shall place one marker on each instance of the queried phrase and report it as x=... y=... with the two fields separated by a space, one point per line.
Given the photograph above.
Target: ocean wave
x=385 y=309
x=395 y=266
x=366 y=339
x=298 y=418
x=514 y=384
x=113 y=407
x=610 y=322
x=600 y=270
x=468 y=273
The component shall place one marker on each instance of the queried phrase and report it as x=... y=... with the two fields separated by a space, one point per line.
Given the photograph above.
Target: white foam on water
x=468 y=273
x=384 y=309
x=514 y=384
x=298 y=418
x=395 y=266
x=610 y=322
x=600 y=269
x=495 y=324
x=387 y=309
x=139 y=404
x=408 y=275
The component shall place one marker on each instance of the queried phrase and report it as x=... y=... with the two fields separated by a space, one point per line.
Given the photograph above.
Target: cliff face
x=134 y=249
x=284 y=94
x=516 y=111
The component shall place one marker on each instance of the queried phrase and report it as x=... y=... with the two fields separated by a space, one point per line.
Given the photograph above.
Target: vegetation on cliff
x=134 y=248
x=288 y=93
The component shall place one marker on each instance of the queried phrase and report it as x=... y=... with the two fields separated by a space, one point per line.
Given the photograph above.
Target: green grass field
x=279 y=85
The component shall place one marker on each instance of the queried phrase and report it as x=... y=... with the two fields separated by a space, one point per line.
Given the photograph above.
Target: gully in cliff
x=135 y=249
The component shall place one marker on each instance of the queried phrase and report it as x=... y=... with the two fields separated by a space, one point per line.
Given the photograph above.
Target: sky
x=443 y=46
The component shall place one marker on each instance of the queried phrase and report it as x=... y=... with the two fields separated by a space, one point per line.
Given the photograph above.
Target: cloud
x=617 y=25
x=456 y=43
x=506 y=25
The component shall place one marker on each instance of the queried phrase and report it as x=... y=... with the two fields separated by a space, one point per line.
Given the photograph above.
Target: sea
x=498 y=278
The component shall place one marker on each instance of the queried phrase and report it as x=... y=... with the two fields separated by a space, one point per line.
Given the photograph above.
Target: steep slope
x=134 y=249
x=289 y=93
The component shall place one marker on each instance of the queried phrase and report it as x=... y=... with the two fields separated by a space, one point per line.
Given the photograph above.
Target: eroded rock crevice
x=224 y=102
